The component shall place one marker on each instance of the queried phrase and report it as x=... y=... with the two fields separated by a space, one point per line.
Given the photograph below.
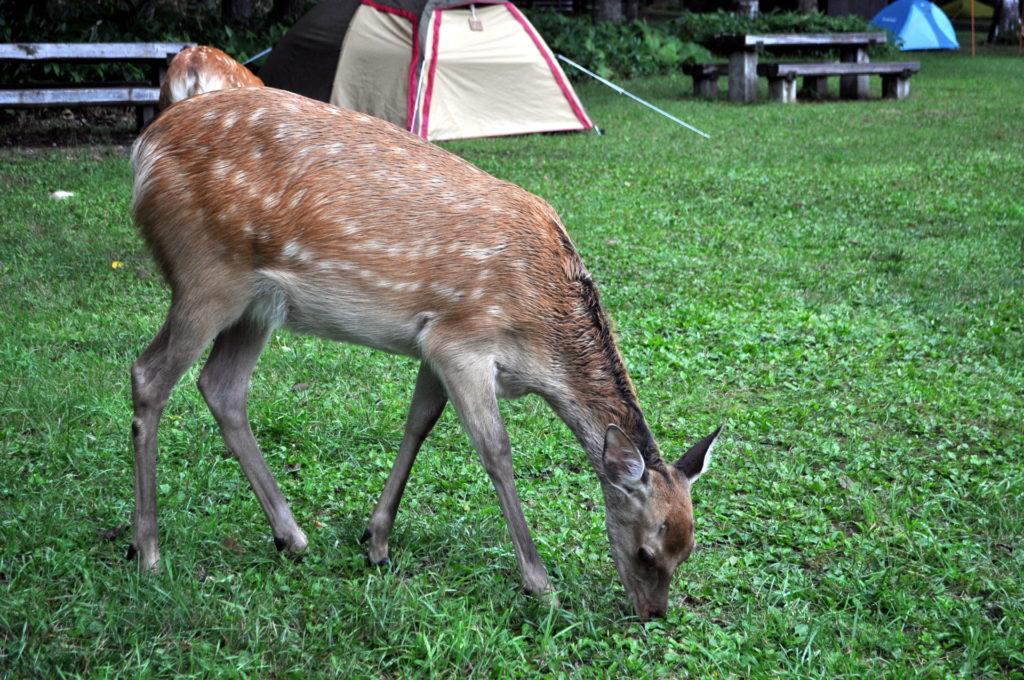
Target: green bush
x=616 y=50
x=111 y=21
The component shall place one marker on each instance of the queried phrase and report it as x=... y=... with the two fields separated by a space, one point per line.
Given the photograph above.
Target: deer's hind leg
x=224 y=383
x=191 y=324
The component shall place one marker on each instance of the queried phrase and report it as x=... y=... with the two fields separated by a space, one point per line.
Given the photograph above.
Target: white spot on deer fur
x=297 y=197
x=476 y=294
x=256 y=115
x=349 y=227
x=219 y=168
x=270 y=201
x=495 y=311
x=337 y=265
x=446 y=291
x=229 y=120
x=367 y=148
x=481 y=254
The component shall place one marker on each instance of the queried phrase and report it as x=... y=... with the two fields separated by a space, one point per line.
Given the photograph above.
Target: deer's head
x=649 y=516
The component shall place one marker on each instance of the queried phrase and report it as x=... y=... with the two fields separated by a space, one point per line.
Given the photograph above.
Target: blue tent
x=917 y=25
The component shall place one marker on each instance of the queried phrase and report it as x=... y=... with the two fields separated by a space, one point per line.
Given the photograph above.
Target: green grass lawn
x=841 y=283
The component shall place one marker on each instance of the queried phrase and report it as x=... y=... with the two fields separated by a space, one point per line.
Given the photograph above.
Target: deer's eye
x=645 y=556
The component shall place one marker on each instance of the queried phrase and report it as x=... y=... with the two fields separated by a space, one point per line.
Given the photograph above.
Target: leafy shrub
x=116 y=21
x=616 y=50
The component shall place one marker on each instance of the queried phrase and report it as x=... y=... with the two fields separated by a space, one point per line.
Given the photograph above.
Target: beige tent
x=443 y=70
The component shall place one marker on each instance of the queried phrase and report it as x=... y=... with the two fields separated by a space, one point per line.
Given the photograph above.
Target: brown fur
x=200 y=69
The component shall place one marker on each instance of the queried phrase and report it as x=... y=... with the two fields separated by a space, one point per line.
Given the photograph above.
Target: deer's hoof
x=293 y=545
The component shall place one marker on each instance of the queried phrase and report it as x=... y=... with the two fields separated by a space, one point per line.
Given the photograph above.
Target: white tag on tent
x=474 y=21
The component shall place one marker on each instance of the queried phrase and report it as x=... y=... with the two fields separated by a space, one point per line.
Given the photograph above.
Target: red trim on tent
x=430 y=76
x=405 y=14
x=577 y=108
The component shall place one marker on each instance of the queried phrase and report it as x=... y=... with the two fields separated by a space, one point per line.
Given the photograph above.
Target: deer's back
x=276 y=187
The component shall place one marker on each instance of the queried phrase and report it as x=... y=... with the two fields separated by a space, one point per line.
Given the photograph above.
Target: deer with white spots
x=265 y=209
x=200 y=69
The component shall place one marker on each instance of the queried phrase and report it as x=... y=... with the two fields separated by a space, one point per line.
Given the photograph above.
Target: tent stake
x=618 y=89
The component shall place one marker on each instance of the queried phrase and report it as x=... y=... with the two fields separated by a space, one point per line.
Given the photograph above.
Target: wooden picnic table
x=744 y=49
x=154 y=57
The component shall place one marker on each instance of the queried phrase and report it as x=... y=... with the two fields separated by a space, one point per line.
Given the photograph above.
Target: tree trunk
x=1006 y=20
x=747 y=8
x=807 y=6
x=632 y=9
x=608 y=10
x=287 y=11
x=237 y=12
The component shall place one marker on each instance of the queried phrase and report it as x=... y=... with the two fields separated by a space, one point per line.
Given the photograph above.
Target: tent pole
x=972 y=28
x=254 y=58
x=632 y=96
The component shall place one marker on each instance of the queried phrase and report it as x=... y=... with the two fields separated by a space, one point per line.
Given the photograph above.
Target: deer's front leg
x=472 y=392
x=428 y=401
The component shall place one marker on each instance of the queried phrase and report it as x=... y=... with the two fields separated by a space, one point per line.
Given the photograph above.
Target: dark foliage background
x=626 y=50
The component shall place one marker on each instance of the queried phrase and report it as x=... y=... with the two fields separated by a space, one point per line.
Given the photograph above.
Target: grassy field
x=841 y=283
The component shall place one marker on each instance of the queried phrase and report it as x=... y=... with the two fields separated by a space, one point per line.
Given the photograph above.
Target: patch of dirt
x=55 y=127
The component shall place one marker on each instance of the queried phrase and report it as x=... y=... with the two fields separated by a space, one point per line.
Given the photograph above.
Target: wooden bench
x=705 y=78
x=744 y=49
x=154 y=57
x=782 y=77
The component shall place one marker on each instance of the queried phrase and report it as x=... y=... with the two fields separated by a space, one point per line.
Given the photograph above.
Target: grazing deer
x=200 y=69
x=267 y=209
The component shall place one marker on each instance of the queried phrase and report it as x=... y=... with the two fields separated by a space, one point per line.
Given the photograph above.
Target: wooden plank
x=74 y=96
x=838 y=69
x=90 y=51
x=813 y=39
x=753 y=41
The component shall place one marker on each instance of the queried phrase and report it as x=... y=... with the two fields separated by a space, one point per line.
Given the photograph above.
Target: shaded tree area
x=199 y=20
x=1006 y=21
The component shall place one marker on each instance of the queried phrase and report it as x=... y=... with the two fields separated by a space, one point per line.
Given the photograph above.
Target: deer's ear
x=623 y=464
x=696 y=461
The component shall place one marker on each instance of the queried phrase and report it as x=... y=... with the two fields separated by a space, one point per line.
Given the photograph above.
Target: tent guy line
x=632 y=96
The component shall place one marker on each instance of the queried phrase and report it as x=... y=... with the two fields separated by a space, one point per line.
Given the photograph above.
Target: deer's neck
x=596 y=390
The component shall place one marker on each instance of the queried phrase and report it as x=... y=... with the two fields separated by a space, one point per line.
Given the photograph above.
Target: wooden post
x=743 y=76
x=706 y=87
x=854 y=87
x=782 y=90
x=972 y=29
x=895 y=86
x=815 y=87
